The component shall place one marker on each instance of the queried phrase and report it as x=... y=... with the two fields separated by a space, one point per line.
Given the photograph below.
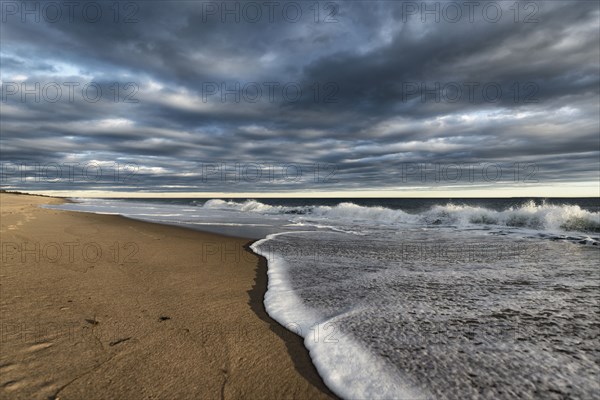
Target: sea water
x=423 y=298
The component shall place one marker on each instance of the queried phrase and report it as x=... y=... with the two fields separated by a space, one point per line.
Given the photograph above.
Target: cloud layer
x=244 y=96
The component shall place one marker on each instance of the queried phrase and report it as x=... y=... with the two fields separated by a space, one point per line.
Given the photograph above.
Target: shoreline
x=167 y=326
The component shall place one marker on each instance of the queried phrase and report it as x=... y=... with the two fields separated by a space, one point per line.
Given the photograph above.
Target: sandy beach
x=101 y=306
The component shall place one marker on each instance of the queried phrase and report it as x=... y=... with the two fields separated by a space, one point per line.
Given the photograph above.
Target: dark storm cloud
x=361 y=88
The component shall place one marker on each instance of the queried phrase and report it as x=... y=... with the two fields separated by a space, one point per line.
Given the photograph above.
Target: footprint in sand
x=87 y=229
x=40 y=385
x=38 y=347
x=10 y=383
x=5 y=368
x=11 y=386
x=28 y=218
x=159 y=237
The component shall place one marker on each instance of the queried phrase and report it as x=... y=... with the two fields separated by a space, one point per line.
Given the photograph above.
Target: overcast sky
x=301 y=97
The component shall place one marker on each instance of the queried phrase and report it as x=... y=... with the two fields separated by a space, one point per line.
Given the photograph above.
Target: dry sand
x=162 y=313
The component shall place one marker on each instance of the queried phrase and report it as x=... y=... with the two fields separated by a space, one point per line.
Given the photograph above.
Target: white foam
x=347 y=368
x=544 y=217
x=539 y=217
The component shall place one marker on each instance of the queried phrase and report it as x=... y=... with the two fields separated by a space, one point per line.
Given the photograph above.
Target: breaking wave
x=537 y=217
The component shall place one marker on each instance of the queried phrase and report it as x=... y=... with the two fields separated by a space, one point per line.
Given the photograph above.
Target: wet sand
x=101 y=306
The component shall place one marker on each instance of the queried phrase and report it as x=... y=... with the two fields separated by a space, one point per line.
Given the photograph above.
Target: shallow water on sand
x=518 y=320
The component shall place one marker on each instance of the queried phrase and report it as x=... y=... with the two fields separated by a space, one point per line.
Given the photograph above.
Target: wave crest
x=528 y=215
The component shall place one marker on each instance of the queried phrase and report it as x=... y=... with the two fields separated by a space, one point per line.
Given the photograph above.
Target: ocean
x=422 y=298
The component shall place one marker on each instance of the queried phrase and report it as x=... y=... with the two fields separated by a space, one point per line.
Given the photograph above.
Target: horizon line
x=545 y=192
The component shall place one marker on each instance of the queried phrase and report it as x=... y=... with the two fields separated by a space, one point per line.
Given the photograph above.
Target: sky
x=301 y=99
